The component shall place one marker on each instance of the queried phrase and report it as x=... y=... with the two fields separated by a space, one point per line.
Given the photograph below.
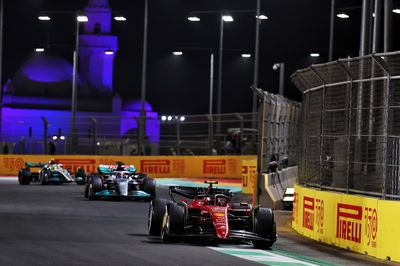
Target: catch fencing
x=350 y=135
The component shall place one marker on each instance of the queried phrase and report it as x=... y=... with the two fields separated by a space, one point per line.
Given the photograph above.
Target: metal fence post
x=45 y=127
x=350 y=107
x=321 y=127
x=94 y=129
x=241 y=126
x=210 y=134
x=178 y=138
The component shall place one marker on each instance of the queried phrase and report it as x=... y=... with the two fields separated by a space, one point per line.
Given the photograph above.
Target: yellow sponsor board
x=249 y=174
x=361 y=224
x=156 y=166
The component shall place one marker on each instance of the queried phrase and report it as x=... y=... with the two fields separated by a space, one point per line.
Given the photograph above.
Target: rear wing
x=192 y=192
x=108 y=169
x=34 y=165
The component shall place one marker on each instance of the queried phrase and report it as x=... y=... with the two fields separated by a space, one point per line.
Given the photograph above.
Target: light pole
x=1 y=66
x=143 y=91
x=281 y=67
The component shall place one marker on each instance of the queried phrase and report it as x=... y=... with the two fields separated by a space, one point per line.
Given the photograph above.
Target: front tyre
x=264 y=225
x=80 y=176
x=95 y=185
x=149 y=186
x=173 y=222
x=155 y=216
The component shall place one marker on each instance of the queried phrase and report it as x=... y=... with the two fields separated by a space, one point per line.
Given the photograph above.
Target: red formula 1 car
x=210 y=214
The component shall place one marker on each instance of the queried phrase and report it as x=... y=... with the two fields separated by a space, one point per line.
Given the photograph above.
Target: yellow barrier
x=249 y=173
x=156 y=166
x=361 y=224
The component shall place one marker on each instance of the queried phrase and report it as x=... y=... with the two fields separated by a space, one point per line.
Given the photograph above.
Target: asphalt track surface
x=56 y=225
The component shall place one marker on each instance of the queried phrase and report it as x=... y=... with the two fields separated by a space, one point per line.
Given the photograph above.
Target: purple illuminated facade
x=43 y=87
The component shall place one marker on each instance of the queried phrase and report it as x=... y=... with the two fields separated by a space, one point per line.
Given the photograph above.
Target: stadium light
x=177 y=53
x=39 y=50
x=342 y=15
x=120 y=18
x=314 y=54
x=246 y=55
x=44 y=18
x=227 y=18
x=82 y=19
x=193 y=18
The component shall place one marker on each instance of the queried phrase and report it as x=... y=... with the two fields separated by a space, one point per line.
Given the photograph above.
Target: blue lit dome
x=135 y=105
x=44 y=75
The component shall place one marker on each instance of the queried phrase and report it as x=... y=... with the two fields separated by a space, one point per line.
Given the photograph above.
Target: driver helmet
x=210 y=200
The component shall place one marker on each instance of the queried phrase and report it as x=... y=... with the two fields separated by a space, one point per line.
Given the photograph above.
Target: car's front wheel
x=95 y=185
x=24 y=176
x=173 y=222
x=155 y=217
x=264 y=225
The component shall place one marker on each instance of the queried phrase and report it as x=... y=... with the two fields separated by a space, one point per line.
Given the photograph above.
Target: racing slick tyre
x=95 y=185
x=264 y=225
x=81 y=173
x=149 y=186
x=173 y=222
x=45 y=175
x=24 y=176
x=155 y=217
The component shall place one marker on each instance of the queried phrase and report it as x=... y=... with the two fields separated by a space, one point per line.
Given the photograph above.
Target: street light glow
x=120 y=18
x=82 y=19
x=109 y=52
x=163 y=118
x=193 y=19
x=55 y=137
x=177 y=53
x=39 y=50
x=44 y=18
x=246 y=55
x=262 y=17
x=62 y=137
x=397 y=11
x=227 y=18
x=169 y=118
x=314 y=54
x=342 y=15
x=182 y=118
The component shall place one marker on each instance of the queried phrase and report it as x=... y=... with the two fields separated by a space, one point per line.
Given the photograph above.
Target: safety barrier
x=156 y=166
x=274 y=186
x=361 y=224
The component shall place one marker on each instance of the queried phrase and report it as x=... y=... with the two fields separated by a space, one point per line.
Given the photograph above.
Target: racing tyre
x=45 y=177
x=155 y=217
x=149 y=186
x=95 y=185
x=82 y=174
x=264 y=225
x=173 y=222
x=24 y=176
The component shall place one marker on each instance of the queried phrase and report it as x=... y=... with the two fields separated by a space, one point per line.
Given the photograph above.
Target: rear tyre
x=173 y=222
x=81 y=175
x=24 y=176
x=95 y=185
x=149 y=186
x=156 y=214
x=264 y=225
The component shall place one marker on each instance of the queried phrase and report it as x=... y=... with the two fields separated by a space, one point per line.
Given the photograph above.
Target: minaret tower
x=97 y=48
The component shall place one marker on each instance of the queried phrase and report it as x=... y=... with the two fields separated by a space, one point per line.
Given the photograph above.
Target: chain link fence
x=225 y=134
x=350 y=135
x=279 y=120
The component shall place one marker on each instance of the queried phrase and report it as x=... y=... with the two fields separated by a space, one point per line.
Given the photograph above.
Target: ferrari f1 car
x=120 y=181
x=49 y=173
x=210 y=214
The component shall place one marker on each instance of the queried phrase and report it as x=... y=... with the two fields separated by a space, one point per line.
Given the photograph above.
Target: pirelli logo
x=349 y=222
x=155 y=166
x=214 y=166
x=74 y=164
x=308 y=213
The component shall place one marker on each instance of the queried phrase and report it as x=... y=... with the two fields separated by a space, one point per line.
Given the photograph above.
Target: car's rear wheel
x=149 y=186
x=173 y=222
x=24 y=176
x=95 y=185
x=155 y=217
x=264 y=225
x=80 y=176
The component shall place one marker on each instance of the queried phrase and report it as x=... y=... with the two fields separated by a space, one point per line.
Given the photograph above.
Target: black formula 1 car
x=49 y=173
x=120 y=181
x=210 y=214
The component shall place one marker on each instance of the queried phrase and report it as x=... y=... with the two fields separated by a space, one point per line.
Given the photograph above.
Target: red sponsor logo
x=308 y=213
x=319 y=217
x=371 y=226
x=348 y=225
x=214 y=166
x=74 y=164
x=13 y=164
x=295 y=210
x=155 y=166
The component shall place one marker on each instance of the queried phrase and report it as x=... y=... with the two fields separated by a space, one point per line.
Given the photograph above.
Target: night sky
x=180 y=85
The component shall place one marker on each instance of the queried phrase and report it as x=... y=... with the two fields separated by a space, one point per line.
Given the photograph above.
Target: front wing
x=131 y=194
